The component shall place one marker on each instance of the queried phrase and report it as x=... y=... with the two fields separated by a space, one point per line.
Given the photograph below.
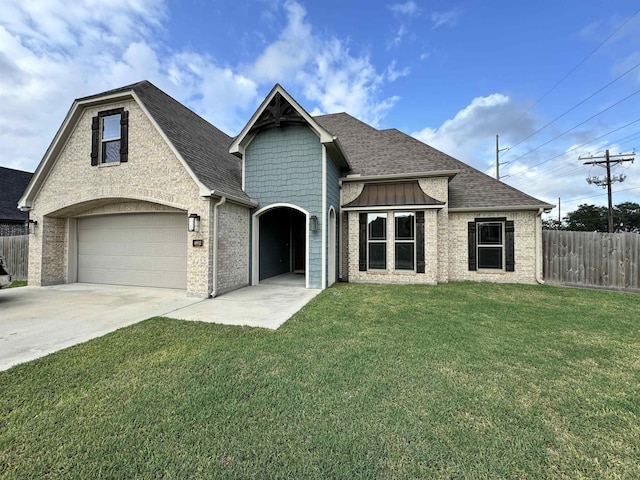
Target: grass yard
x=18 y=283
x=460 y=380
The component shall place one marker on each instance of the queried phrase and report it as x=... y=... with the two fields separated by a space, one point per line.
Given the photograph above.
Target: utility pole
x=608 y=180
x=498 y=150
x=559 y=216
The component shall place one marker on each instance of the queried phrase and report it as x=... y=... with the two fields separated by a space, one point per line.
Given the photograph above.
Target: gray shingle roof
x=386 y=152
x=12 y=186
x=202 y=146
x=371 y=152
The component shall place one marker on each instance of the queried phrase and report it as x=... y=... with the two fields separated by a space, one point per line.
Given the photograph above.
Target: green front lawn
x=454 y=381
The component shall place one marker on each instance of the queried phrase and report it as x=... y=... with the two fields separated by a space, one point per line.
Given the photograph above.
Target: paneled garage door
x=143 y=249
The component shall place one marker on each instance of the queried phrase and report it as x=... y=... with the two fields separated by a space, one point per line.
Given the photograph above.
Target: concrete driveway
x=36 y=321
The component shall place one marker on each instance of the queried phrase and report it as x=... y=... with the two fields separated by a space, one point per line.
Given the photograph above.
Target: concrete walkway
x=267 y=305
x=36 y=321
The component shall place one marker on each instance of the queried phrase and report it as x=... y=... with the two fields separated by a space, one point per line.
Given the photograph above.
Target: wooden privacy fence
x=592 y=259
x=15 y=251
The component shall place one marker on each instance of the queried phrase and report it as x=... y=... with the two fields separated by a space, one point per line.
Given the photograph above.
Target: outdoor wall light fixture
x=313 y=223
x=194 y=222
x=32 y=225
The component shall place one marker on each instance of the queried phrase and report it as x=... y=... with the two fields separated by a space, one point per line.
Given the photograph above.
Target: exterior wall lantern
x=313 y=223
x=31 y=225
x=194 y=222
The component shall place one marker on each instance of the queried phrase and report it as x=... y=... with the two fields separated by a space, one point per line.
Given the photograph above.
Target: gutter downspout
x=214 y=292
x=539 y=247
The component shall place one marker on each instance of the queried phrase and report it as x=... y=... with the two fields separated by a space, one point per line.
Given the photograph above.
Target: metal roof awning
x=393 y=194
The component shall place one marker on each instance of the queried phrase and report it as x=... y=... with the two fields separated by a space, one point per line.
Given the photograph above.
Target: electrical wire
x=575 y=148
x=576 y=67
x=598 y=195
x=576 y=106
x=576 y=126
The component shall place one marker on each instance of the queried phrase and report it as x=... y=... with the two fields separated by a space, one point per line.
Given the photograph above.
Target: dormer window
x=109 y=143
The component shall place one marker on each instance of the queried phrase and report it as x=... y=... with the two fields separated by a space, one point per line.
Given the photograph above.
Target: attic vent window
x=109 y=139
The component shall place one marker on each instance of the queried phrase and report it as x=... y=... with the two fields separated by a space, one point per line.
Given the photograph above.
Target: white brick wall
x=524 y=247
x=153 y=179
x=446 y=243
x=233 y=247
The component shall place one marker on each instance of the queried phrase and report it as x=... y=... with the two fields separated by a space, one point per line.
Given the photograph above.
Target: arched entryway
x=280 y=238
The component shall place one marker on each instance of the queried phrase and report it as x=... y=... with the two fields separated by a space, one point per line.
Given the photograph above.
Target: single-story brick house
x=328 y=197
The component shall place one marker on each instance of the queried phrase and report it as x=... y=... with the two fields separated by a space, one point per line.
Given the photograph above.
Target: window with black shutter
x=109 y=137
x=491 y=244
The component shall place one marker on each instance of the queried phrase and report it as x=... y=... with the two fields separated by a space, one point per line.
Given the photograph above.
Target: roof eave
x=502 y=208
x=399 y=176
x=250 y=202
x=378 y=208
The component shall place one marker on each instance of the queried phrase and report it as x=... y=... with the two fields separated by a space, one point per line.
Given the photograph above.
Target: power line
x=576 y=67
x=577 y=105
x=576 y=126
x=577 y=147
x=599 y=195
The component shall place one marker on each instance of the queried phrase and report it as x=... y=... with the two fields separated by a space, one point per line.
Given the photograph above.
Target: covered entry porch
x=280 y=244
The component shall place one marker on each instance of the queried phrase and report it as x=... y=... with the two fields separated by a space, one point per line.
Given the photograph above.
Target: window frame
x=102 y=157
x=491 y=245
x=376 y=240
x=98 y=143
x=404 y=241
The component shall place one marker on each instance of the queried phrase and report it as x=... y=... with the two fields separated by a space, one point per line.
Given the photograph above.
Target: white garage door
x=144 y=249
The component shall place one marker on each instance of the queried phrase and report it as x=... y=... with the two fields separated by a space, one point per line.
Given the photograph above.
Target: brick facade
x=153 y=180
x=445 y=243
x=288 y=165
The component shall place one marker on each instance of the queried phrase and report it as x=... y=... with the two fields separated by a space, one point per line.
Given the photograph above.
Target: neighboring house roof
x=12 y=186
x=374 y=152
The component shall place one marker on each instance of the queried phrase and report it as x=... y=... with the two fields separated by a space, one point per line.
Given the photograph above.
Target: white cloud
x=52 y=52
x=449 y=18
x=409 y=8
x=470 y=135
x=393 y=74
x=291 y=51
x=397 y=38
x=323 y=70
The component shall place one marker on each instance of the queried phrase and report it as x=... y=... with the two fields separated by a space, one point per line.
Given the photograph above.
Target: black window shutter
x=420 y=242
x=473 y=265
x=509 y=255
x=95 y=140
x=124 y=136
x=363 y=242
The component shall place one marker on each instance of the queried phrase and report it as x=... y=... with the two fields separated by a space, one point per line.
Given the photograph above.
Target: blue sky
x=453 y=74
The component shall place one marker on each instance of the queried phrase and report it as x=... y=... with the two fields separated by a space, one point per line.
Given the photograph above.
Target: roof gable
x=280 y=108
x=199 y=146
